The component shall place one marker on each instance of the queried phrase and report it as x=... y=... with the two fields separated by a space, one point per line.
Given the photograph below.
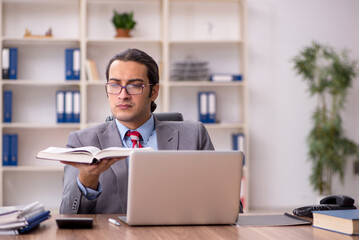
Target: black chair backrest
x=165 y=116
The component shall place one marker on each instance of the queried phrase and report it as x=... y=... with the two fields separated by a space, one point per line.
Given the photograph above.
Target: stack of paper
x=20 y=219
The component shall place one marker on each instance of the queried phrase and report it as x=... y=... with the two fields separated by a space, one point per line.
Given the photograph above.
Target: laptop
x=184 y=187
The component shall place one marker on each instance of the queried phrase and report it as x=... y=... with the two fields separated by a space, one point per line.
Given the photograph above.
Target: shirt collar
x=145 y=130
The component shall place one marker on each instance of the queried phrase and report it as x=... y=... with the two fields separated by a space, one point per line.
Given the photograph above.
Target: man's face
x=131 y=110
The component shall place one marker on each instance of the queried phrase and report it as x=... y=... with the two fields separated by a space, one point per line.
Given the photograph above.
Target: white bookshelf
x=168 y=30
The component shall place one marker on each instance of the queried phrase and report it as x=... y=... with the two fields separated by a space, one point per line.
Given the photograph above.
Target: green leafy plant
x=123 y=20
x=329 y=75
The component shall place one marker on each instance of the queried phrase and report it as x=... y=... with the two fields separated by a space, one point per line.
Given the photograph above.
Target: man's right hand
x=89 y=174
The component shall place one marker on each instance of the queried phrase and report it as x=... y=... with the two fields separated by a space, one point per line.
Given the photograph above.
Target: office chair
x=164 y=116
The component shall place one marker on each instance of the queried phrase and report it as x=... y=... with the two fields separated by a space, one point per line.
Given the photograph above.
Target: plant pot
x=122 y=32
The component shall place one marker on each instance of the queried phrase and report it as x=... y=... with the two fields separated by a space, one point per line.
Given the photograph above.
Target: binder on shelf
x=207 y=107
x=224 y=77
x=211 y=107
x=202 y=104
x=60 y=106
x=68 y=63
x=5 y=63
x=7 y=106
x=76 y=106
x=5 y=149
x=13 y=63
x=68 y=107
x=238 y=143
x=76 y=64
x=72 y=63
x=13 y=149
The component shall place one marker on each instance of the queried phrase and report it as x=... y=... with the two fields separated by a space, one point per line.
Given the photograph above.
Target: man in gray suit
x=132 y=87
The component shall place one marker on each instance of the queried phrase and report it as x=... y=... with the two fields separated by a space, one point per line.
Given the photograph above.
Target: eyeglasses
x=131 y=89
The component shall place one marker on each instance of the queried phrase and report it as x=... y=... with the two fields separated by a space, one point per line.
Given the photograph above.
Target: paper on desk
x=285 y=219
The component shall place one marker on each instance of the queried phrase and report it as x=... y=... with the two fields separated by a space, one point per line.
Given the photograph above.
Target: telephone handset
x=333 y=202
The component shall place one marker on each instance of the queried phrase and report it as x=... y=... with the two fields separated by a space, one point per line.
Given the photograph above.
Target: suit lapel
x=111 y=138
x=167 y=139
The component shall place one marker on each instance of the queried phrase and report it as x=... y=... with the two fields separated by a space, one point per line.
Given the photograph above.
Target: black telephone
x=333 y=202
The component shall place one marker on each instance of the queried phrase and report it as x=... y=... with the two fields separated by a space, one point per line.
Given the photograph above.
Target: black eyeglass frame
x=125 y=87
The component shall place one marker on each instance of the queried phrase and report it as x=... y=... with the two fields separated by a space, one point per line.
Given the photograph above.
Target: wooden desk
x=103 y=230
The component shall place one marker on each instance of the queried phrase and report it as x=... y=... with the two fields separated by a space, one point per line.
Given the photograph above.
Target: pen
x=113 y=221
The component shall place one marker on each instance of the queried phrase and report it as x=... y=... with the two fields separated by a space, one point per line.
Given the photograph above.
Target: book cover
x=13 y=149
x=69 y=106
x=5 y=149
x=77 y=106
x=7 y=106
x=342 y=221
x=224 y=77
x=87 y=154
x=5 y=63
x=76 y=64
x=68 y=63
x=60 y=106
x=13 y=63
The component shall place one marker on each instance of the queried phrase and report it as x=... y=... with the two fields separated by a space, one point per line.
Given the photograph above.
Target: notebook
x=184 y=187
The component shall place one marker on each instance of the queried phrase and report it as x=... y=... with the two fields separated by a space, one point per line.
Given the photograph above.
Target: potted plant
x=123 y=23
x=329 y=75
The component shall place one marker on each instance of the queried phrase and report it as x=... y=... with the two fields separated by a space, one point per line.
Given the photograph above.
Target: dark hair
x=136 y=55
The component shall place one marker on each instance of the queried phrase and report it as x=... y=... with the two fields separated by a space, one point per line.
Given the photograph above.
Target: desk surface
x=103 y=230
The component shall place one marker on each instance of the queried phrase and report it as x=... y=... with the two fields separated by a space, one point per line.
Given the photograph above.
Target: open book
x=87 y=154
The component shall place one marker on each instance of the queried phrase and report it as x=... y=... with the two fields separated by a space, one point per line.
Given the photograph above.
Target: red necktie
x=135 y=138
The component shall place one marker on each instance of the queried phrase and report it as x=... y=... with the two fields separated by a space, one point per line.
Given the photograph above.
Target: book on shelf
x=72 y=64
x=225 y=77
x=10 y=149
x=7 y=106
x=21 y=219
x=207 y=107
x=91 y=70
x=88 y=154
x=342 y=221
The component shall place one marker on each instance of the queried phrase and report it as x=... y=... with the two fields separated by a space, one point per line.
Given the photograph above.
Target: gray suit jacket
x=114 y=181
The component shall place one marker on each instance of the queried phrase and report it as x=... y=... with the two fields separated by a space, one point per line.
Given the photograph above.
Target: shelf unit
x=168 y=30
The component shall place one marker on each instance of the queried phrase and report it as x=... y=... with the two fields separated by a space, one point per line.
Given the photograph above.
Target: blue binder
x=238 y=142
x=5 y=63
x=203 y=107
x=76 y=64
x=60 y=106
x=212 y=108
x=207 y=107
x=76 y=106
x=69 y=63
x=5 y=149
x=69 y=107
x=223 y=77
x=13 y=64
x=7 y=106
x=13 y=149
